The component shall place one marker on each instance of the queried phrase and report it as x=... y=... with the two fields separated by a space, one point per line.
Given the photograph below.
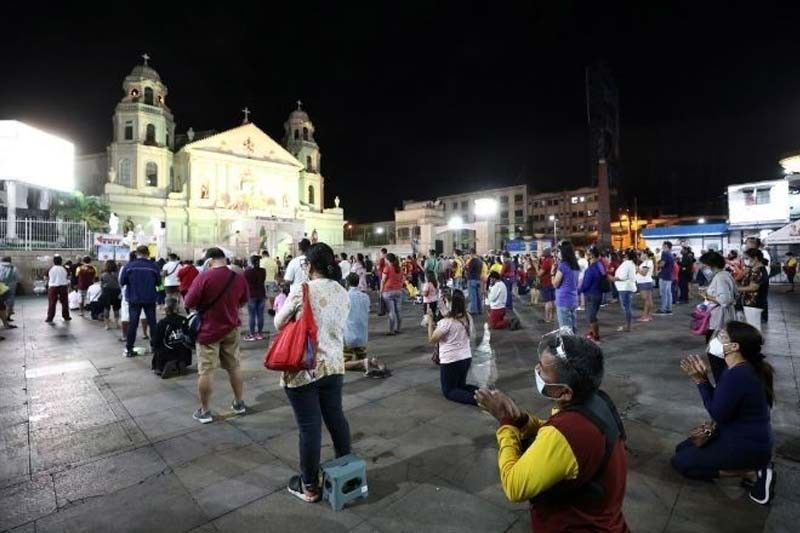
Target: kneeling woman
x=740 y=405
x=453 y=334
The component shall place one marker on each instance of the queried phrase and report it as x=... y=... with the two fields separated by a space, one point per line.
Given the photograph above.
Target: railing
x=30 y=234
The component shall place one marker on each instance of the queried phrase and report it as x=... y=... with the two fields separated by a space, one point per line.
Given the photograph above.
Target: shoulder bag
x=295 y=346
x=195 y=318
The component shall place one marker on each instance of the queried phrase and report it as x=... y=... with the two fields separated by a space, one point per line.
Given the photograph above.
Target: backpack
x=175 y=336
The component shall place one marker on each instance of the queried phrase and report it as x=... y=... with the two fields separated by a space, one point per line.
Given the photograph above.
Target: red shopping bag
x=294 y=348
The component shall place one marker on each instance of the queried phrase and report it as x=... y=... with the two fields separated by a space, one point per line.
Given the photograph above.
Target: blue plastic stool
x=344 y=480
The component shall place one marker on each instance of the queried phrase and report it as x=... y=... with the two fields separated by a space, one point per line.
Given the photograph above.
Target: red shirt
x=86 y=275
x=545 y=274
x=394 y=279
x=186 y=276
x=223 y=317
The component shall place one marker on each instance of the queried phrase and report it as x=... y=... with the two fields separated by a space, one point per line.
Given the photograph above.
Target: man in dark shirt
x=219 y=293
x=665 y=279
x=140 y=278
x=474 y=270
x=685 y=274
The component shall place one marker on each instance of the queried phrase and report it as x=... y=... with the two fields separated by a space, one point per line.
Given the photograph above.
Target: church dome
x=146 y=72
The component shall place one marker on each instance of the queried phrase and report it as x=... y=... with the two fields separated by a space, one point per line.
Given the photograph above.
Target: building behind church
x=237 y=188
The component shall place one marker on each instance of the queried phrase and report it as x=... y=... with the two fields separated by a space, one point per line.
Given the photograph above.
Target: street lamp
x=485 y=207
x=554 y=220
x=379 y=230
x=701 y=221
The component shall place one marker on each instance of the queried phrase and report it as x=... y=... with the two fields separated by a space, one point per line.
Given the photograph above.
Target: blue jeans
x=135 y=310
x=625 y=299
x=453 y=377
x=509 y=282
x=566 y=317
x=319 y=401
x=474 y=286
x=720 y=454
x=255 y=311
x=665 y=291
x=394 y=300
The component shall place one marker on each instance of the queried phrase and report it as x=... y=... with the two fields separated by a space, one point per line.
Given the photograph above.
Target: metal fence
x=30 y=234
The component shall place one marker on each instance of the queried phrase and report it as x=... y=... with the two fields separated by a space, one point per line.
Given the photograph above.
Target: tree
x=90 y=209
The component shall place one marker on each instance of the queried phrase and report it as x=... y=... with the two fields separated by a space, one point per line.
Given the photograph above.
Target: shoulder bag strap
x=223 y=291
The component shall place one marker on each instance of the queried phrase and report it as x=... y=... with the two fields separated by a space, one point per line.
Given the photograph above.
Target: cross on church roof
x=299 y=105
x=246 y=112
x=145 y=57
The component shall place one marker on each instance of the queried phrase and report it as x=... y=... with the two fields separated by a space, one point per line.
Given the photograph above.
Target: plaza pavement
x=91 y=441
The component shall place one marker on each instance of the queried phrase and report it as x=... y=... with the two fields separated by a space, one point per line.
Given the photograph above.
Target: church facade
x=238 y=188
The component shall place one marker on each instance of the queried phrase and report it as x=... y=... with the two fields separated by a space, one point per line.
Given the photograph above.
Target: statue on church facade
x=336 y=202
x=128 y=226
x=113 y=223
x=314 y=236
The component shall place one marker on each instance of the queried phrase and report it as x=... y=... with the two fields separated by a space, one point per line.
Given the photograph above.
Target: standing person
x=297 y=269
x=665 y=279
x=392 y=291
x=430 y=263
x=186 y=275
x=508 y=273
x=565 y=280
x=9 y=276
x=454 y=334
x=86 y=274
x=789 y=268
x=644 y=282
x=170 y=271
x=755 y=287
x=592 y=290
x=720 y=296
x=430 y=295
x=611 y=268
x=255 y=276
x=57 y=284
x=458 y=271
x=220 y=293
x=533 y=279
x=686 y=266
x=140 y=278
x=474 y=271
x=344 y=266
x=360 y=270
x=317 y=396
x=573 y=472
x=161 y=292
x=109 y=283
x=740 y=405
x=583 y=264
x=546 y=289
x=625 y=281
x=497 y=302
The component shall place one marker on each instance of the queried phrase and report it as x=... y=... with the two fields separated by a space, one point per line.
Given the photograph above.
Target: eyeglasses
x=554 y=341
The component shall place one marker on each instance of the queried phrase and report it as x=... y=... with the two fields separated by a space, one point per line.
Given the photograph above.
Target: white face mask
x=540 y=384
x=716 y=348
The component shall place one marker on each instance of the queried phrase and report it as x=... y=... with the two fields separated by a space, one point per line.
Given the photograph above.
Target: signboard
x=35 y=157
x=759 y=203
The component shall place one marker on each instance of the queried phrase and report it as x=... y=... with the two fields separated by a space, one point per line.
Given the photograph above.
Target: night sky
x=413 y=101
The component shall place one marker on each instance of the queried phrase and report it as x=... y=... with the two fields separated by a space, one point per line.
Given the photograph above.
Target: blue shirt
x=355 y=329
x=140 y=278
x=666 y=271
x=593 y=279
x=567 y=292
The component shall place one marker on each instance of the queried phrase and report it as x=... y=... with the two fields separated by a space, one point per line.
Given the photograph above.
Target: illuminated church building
x=238 y=188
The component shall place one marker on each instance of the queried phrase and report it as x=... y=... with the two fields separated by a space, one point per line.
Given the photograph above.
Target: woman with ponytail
x=392 y=279
x=740 y=406
x=317 y=396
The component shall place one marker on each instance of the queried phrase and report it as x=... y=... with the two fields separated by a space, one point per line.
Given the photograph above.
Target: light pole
x=554 y=220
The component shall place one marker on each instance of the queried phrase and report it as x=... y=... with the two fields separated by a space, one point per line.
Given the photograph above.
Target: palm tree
x=89 y=209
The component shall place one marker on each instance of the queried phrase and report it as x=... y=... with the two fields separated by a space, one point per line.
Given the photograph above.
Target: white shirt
x=647 y=278
x=74 y=300
x=498 y=295
x=626 y=276
x=296 y=273
x=344 y=264
x=57 y=276
x=170 y=269
x=93 y=292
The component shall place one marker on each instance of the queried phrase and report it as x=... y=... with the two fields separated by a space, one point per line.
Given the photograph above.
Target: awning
x=789 y=234
x=690 y=230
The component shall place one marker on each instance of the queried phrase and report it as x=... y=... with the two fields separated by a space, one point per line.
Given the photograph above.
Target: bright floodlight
x=32 y=156
x=485 y=207
x=552 y=218
x=455 y=222
x=379 y=230
x=701 y=221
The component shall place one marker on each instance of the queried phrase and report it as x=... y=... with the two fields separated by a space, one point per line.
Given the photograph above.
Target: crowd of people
x=574 y=470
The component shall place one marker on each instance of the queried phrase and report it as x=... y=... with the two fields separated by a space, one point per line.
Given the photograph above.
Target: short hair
x=631 y=254
x=384 y=250
x=215 y=253
x=581 y=368
x=352 y=279
x=668 y=244
x=265 y=253
x=713 y=259
x=494 y=275
x=343 y=256
x=255 y=260
x=57 y=260
x=171 y=305
x=143 y=250
x=173 y=257
x=304 y=245
x=87 y=259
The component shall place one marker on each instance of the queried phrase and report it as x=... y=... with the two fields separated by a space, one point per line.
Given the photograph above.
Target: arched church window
x=128 y=130
x=305 y=134
x=311 y=194
x=296 y=134
x=150 y=134
x=309 y=166
x=151 y=174
x=125 y=172
x=148 y=95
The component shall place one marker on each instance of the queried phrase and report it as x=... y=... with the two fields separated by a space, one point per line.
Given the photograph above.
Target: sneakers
x=129 y=353
x=249 y=338
x=204 y=417
x=238 y=407
x=307 y=493
x=260 y=336
x=764 y=488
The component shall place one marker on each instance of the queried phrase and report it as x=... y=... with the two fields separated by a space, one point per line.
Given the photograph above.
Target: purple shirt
x=567 y=292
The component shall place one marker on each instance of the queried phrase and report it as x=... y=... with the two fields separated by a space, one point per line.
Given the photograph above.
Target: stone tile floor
x=91 y=441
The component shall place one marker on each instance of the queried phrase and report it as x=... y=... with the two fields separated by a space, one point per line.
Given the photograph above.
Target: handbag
x=701 y=318
x=195 y=318
x=703 y=434
x=294 y=348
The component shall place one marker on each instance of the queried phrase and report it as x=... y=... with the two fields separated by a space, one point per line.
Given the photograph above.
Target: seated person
x=93 y=300
x=355 y=333
x=74 y=300
x=574 y=472
x=740 y=406
x=171 y=356
x=498 y=294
